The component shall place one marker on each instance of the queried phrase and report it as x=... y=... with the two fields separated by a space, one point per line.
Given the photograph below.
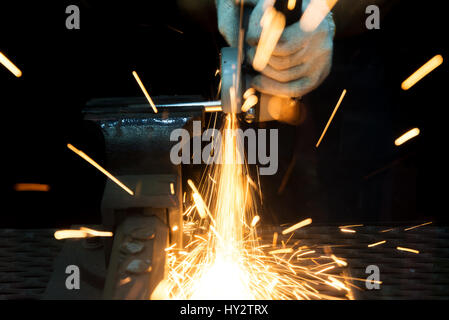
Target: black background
x=62 y=69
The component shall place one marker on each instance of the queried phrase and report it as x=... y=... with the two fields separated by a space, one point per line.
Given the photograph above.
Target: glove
x=300 y=61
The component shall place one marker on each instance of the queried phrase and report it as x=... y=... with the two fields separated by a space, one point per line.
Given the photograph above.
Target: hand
x=300 y=61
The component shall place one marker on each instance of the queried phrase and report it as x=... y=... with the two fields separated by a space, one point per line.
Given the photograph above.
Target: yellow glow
x=291 y=4
x=249 y=92
x=273 y=24
x=172 y=188
x=96 y=165
x=10 y=66
x=407 y=249
x=297 y=226
x=332 y=117
x=315 y=13
x=145 y=92
x=175 y=228
x=82 y=233
x=407 y=136
x=256 y=219
x=351 y=226
x=347 y=230
x=224 y=259
x=249 y=103
x=423 y=71
x=31 y=187
x=213 y=109
x=376 y=244
x=420 y=225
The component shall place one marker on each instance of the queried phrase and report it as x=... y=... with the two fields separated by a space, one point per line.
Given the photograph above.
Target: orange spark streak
x=172 y=188
x=351 y=226
x=420 y=225
x=82 y=233
x=96 y=165
x=407 y=249
x=145 y=92
x=249 y=103
x=291 y=4
x=273 y=24
x=279 y=251
x=213 y=109
x=325 y=269
x=347 y=230
x=255 y=221
x=10 y=66
x=376 y=244
x=332 y=117
x=31 y=187
x=315 y=13
x=407 y=136
x=423 y=71
x=297 y=226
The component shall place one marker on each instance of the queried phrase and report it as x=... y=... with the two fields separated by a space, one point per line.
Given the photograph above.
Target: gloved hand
x=300 y=61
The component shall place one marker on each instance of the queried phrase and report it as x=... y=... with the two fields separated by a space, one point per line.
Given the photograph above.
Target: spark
x=249 y=103
x=145 y=92
x=273 y=24
x=351 y=226
x=31 y=187
x=279 y=251
x=256 y=219
x=291 y=4
x=315 y=13
x=297 y=226
x=10 y=66
x=100 y=168
x=423 y=71
x=376 y=244
x=339 y=261
x=420 y=225
x=347 y=230
x=386 y=230
x=249 y=92
x=225 y=258
x=407 y=249
x=81 y=233
x=407 y=136
x=332 y=116
x=175 y=228
x=213 y=109
x=325 y=269
x=172 y=188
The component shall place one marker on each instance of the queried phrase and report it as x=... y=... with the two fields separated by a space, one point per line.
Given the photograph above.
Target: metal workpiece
x=231 y=84
x=137 y=262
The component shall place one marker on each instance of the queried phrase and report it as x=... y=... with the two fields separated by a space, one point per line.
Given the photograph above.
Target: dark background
x=339 y=182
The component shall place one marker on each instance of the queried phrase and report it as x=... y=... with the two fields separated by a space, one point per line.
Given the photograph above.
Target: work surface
x=27 y=257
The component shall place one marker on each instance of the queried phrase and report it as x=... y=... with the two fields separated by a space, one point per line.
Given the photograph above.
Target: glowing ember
x=224 y=258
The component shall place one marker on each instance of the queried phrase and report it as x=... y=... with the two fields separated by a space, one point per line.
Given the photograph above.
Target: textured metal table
x=27 y=256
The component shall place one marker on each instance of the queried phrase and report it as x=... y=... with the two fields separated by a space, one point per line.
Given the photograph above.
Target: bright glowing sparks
x=419 y=225
x=256 y=219
x=347 y=230
x=297 y=226
x=376 y=244
x=145 y=92
x=332 y=117
x=31 y=187
x=172 y=188
x=315 y=13
x=273 y=24
x=213 y=109
x=10 y=66
x=428 y=67
x=291 y=4
x=96 y=165
x=407 y=249
x=81 y=233
x=224 y=259
x=249 y=103
x=407 y=136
